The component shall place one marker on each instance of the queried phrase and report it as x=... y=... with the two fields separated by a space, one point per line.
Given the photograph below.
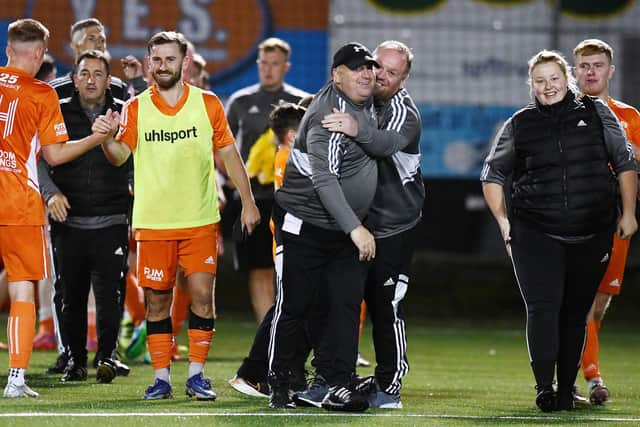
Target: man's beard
x=168 y=84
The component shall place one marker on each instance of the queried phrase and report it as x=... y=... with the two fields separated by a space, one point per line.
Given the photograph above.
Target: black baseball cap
x=353 y=55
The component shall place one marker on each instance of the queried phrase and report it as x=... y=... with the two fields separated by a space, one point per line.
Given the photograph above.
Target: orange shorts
x=24 y=252
x=158 y=260
x=611 y=282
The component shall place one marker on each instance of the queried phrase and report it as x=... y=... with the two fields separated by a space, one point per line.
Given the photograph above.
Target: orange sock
x=160 y=350
x=92 y=333
x=179 y=309
x=21 y=328
x=199 y=343
x=46 y=326
x=132 y=301
x=363 y=317
x=590 y=367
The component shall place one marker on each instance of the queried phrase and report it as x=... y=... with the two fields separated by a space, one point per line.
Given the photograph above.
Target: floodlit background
x=469 y=75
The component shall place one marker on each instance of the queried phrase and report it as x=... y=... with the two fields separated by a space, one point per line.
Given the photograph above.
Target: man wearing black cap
x=393 y=218
x=328 y=187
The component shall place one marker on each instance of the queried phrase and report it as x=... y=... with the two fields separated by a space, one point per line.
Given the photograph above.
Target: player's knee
x=202 y=309
x=158 y=304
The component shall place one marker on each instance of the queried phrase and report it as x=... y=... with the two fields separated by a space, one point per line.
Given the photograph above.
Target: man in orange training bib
x=30 y=120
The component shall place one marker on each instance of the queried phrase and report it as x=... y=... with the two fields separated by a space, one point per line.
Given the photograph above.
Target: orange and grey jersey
x=329 y=180
x=399 y=198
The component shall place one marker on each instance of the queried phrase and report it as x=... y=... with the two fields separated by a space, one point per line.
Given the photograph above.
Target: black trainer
x=546 y=398
x=61 y=363
x=565 y=400
x=74 y=372
x=279 y=398
x=106 y=371
x=366 y=385
x=298 y=380
x=122 y=370
x=345 y=399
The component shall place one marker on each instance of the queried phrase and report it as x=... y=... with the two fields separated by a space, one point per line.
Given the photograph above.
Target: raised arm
x=402 y=128
x=117 y=152
x=57 y=154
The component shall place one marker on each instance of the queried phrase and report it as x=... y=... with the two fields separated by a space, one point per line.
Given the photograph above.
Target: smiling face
x=92 y=80
x=548 y=83
x=392 y=72
x=356 y=84
x=593 y=73
x=165 y=64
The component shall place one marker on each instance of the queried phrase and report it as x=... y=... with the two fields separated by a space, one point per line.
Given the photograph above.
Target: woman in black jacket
x=567 y=156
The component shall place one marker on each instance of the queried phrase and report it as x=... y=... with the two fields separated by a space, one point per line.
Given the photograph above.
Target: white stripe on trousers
x=400 y=336
x=277 y=312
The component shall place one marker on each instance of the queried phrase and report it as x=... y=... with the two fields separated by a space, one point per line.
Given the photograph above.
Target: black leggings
x=558 y=282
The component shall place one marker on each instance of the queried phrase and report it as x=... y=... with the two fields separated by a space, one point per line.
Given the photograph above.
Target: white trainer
x=248 y=388
x=361 y=361
x=13 y=391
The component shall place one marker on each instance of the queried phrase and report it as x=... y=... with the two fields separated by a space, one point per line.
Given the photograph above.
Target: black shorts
x=257 y=250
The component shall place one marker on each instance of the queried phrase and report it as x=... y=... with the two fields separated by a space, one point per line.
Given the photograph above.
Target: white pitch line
x=328 y=414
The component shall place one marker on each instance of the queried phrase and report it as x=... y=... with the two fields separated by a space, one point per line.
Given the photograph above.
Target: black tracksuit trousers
x=85 y=257
x=310 y=260
x=558 y=281
x=386 y=286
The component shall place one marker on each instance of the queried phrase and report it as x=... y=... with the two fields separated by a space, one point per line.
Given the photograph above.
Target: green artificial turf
x=462 y=373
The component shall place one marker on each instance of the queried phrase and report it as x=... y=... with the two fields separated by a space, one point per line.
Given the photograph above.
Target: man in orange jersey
x=30 y=120
x=175 y=210
x=594 y=68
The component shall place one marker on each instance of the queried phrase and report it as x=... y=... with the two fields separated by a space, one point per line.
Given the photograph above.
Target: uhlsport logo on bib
x=172 y=136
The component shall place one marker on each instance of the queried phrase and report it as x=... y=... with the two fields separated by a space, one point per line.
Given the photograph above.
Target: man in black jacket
x=86 y=34
x=90 y=243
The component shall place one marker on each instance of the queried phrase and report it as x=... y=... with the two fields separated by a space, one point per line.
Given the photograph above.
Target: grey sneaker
x=13 y=391
x=380 y=399
x=314 y=394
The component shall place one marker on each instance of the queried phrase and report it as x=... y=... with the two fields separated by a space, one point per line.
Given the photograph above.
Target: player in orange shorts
x=175 y=211
x=30 y=121
x=594 y=68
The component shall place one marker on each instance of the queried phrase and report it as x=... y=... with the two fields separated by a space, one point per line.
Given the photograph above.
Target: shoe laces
x=316 y=381
x=202 y=381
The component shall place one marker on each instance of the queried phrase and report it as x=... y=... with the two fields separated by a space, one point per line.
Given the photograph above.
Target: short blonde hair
x=545 y=56
x=272 y=44
x=590 y=47
x=27 y=30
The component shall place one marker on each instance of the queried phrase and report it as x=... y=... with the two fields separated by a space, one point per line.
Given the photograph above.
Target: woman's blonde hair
x=545 y=56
